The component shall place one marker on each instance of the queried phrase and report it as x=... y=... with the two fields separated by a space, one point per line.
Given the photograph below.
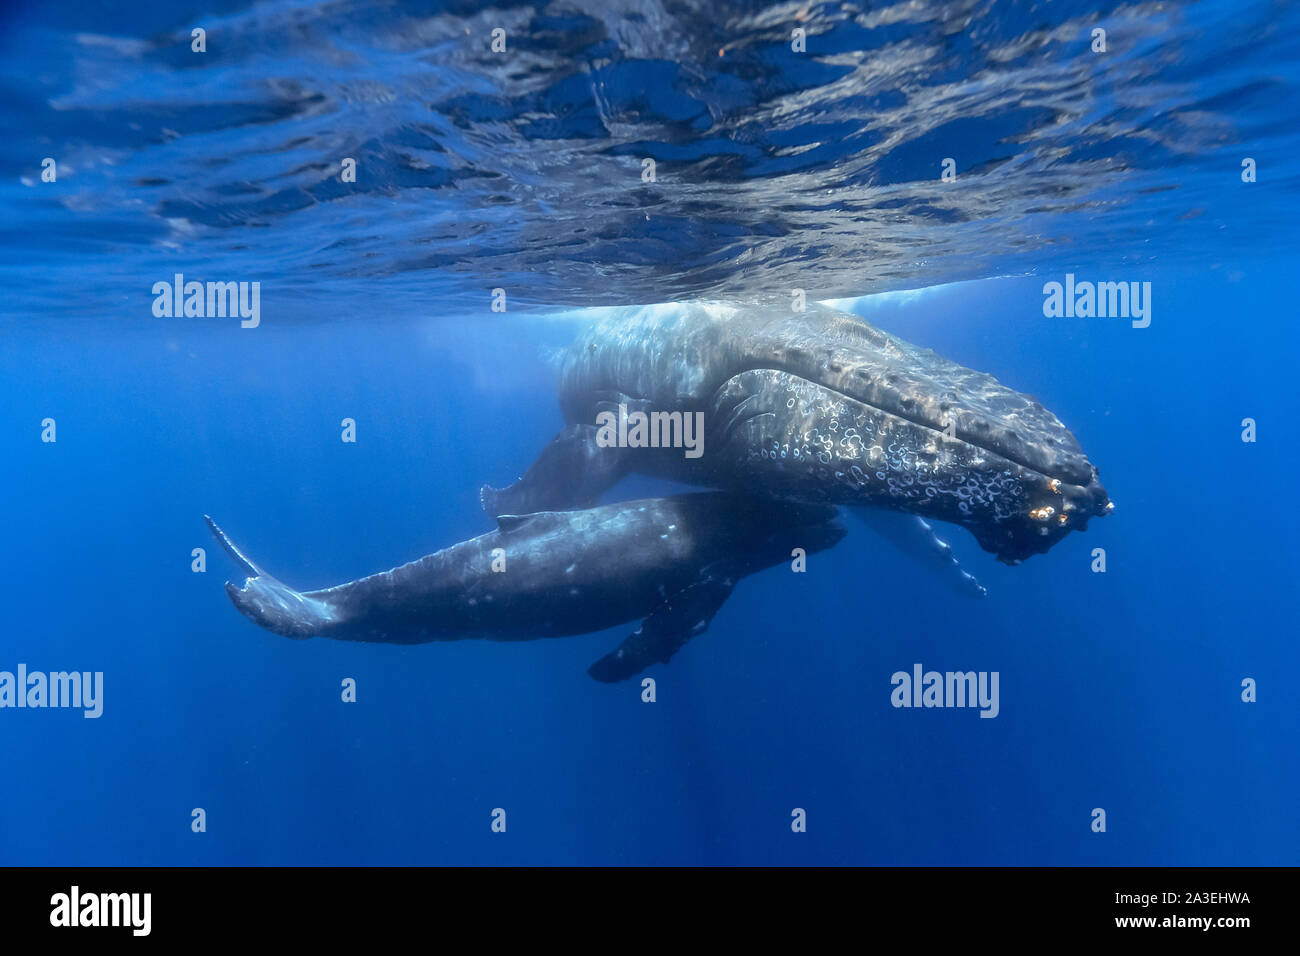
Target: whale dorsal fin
x=669 y=626
x=507 y=524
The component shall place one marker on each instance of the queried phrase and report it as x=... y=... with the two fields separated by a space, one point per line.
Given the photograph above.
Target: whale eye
x=592 y=346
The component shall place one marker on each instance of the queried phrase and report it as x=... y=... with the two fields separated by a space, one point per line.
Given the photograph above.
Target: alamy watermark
x=57 y=689
x=1118 y=300
x=948 y=689
x=651 y=430
x=75 y=908
x=208 y=300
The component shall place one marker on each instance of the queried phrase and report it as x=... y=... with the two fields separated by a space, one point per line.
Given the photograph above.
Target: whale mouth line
x=741 y=415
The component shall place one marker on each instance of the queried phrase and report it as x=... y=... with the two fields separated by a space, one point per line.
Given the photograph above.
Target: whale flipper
x=571 y=472
x=667 y=629
x=916 y=538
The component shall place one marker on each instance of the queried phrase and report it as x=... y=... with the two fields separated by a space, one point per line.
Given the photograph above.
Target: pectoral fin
x=671 y=625
x=916 y=538
x=571 y=472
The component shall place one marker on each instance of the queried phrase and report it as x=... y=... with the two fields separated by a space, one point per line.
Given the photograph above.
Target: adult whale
x=813 y=406
x=672 y=561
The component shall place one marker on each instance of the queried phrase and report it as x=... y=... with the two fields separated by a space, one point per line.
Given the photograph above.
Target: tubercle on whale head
x=1054 y=512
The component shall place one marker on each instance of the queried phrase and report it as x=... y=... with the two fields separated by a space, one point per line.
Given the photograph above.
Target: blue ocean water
x=523 y=171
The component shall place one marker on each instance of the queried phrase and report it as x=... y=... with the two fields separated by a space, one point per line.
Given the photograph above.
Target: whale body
x=671 y=561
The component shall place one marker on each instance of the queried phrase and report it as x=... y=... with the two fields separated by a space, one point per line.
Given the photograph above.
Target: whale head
x=958 y=462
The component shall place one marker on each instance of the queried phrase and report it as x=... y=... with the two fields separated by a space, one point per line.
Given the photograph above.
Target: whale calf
x=814 y=406
x=670 y=561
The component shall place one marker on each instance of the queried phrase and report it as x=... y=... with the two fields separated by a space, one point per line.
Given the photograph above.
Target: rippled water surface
x=523 y=169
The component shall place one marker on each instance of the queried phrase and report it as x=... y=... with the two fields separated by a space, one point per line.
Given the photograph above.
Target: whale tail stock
x=269 y=602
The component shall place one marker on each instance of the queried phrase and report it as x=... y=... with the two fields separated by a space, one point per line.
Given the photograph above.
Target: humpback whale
x=669 y=561
x=814 y=406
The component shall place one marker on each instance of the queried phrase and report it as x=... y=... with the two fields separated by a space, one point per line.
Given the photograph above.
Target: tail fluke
x=269 y=602
x=240 y=558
